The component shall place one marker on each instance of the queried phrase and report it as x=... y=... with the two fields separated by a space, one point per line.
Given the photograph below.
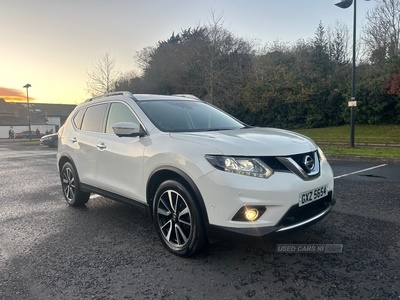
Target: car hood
x=252 y=141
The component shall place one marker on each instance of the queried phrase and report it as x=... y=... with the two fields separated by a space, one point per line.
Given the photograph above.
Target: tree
x=167 y=65
x=338 y=43
x=207 y=61
x=394 y=84
x=382 y=31
x=102 y=78
x=290 y=85
x=129 y=81
x=320 y=57
x=219 y=62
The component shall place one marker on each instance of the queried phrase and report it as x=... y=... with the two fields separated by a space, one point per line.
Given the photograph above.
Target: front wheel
x=71 y=186
x=178 y=220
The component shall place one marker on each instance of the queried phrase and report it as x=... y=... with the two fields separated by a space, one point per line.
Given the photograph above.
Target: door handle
x=73 y=140
x=101 y=146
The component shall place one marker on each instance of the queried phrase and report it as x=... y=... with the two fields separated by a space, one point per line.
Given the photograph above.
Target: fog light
x=251 y=214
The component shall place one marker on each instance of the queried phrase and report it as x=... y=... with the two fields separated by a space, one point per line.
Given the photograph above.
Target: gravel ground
x=107 y=250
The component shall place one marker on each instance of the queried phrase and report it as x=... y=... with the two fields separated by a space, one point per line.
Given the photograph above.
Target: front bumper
x=47 y=142
x=224 y=194
x=295 y=218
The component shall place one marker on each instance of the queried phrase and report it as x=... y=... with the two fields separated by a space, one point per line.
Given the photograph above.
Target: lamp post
x=27 y=86
x=353 y=102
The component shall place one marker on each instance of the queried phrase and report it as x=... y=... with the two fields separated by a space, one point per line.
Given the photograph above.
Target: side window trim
x=104 y=121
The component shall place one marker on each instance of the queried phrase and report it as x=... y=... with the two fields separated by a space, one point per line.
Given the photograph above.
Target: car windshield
x=182 y=115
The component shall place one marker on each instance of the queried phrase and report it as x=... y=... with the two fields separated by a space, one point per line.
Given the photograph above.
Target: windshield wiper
x=218 y=129
x=247 y=126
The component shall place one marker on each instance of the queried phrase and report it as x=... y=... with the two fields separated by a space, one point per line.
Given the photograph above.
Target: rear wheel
x=71 y=186
x=178 y=220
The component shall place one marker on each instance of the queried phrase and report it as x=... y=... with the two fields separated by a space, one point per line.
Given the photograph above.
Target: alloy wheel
x=69 y=188
x=174 y=219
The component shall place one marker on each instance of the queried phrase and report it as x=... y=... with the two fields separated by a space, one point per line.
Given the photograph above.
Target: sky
x=53 y=44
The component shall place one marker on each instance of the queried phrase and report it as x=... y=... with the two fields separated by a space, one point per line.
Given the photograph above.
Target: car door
x=84 y=141
x=120 y=159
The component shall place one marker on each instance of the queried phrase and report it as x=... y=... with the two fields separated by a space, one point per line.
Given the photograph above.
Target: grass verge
x=364 y=151
x=376 y=134
x=336 y=140
x=30 y=143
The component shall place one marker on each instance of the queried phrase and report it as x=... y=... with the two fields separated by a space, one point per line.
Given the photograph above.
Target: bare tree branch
x=102 y=77
x=382 y=30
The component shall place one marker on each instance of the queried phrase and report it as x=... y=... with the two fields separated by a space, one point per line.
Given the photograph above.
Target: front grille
x=305 y=165
x=273 y=163
x=297 y=214
x=298 y=158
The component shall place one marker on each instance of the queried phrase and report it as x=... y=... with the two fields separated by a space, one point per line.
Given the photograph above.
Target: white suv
x=198 y=171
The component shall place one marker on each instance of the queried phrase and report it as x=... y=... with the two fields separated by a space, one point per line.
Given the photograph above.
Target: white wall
x=54 y=121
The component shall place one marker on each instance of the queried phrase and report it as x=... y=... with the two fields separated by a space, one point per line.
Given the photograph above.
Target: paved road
x=110 y=251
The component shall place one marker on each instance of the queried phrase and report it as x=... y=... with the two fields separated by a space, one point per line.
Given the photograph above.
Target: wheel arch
x=64 y=159
x=80 y=196
x=171 y=173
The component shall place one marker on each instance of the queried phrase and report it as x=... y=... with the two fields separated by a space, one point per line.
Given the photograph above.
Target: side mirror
x=128 y=129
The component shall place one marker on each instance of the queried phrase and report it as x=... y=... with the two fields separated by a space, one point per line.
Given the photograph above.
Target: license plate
x=313 y=195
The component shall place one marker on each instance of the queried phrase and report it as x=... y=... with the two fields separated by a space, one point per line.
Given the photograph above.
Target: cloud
x=13 y=95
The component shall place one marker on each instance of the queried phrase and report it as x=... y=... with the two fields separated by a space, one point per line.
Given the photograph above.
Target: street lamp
x=353 y=102
x=27 y=86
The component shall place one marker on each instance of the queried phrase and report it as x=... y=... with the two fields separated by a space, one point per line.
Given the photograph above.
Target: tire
x=71 y=186
x=178 y=220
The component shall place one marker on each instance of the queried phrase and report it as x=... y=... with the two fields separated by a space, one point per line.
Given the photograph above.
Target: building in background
x=44 y=117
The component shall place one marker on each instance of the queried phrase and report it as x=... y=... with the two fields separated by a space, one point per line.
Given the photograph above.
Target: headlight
x=321 y=154
x=240 y=165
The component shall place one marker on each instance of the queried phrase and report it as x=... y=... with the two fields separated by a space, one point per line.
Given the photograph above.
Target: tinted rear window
x=94 y=117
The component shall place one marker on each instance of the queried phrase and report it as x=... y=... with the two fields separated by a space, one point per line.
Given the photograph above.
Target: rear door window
x=94 y=118
x=78 y=118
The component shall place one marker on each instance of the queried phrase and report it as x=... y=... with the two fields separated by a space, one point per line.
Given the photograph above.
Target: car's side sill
x=116 y=197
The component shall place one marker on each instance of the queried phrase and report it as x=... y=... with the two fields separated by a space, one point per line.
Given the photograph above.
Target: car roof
x=145 y=97
x=148 y=97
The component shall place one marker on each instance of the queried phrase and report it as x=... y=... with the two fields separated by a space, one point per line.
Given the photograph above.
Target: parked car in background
x=50 y=140
x=25 y=134
x=199 y=172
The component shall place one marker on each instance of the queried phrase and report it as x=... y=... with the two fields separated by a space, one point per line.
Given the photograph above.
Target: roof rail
x=122 y=93
x=186 y=96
